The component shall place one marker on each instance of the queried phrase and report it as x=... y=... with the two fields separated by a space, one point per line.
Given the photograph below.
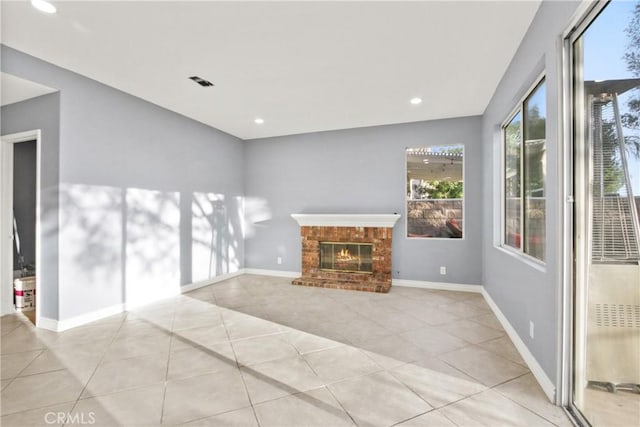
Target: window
x=435 y=191
x=524 y=199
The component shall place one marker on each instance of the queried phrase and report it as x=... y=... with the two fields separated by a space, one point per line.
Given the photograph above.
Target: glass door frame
x=575 y=196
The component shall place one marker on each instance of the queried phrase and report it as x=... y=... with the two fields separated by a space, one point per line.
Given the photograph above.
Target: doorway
x=604 y=52
x=20 y=220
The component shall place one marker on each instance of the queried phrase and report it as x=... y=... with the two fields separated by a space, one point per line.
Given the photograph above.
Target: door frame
x=6 y=218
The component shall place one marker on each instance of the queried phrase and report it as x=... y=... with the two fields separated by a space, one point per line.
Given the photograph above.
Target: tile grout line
x=244 y=383
x=96 y=368
x=325 y=384
x=79 y=398
x=21 y=323
x=341 y=405
x=515 y=401
x=483 y=391
x=439 y=357
x=472 y=319
x=166 y=374
x=414 y=392
x=452 y=421
x=412 y=418
x=459 y=370
x=11 y=380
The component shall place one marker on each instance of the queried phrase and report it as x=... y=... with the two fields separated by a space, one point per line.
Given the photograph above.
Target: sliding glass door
x=605 y=52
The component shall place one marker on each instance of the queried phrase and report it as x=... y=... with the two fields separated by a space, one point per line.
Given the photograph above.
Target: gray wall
x=24 y=201
x=43 y=113
x=357 y=171
x=523 y=292
x=149 y=199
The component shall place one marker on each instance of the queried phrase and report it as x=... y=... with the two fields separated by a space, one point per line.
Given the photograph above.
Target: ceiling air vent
x=202 y=82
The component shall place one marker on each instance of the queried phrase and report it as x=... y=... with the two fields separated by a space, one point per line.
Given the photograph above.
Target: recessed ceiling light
x=43 y=6
x=416 y=101
x=258 y=121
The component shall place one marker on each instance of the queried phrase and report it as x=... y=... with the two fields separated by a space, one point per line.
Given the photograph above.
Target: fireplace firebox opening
x=346 y=257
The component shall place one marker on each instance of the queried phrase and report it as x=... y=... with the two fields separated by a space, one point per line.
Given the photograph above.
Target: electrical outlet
x=443 y=270
x=279 y=260
x=531 y=329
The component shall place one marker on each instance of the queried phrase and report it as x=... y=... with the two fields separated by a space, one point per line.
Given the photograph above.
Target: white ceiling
x=302 y=66
x=14 y=89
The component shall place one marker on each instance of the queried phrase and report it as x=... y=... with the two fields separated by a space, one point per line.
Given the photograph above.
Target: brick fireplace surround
x=376 y=229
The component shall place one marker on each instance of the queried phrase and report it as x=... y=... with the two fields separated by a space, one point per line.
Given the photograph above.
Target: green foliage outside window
x=440 y=189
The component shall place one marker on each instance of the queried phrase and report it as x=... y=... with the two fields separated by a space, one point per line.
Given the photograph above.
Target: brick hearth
x=312 y=275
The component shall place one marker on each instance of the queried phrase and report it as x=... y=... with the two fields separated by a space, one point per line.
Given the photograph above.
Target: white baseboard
x=197 y=285
x=436 y=285
x=8 y=308
x=546 y=384
x=48 y=324
x=276 y=273
x=83 y=319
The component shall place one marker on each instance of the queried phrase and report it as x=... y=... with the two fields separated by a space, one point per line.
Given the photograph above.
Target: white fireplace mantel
x=346 y=220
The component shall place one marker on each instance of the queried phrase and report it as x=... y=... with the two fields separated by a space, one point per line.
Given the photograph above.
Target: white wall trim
x=437 y=285
x=546 y=384
x=83 y=319
x=201 y=284
x=347 y=220
x=48 y=324
x=6 y=219
x=275 y=273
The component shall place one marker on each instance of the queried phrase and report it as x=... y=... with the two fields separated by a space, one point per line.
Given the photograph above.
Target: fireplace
x=346 y=251
x=347 y=257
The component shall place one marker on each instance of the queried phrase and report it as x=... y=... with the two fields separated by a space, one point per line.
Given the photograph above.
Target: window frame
x=464 y=199
x=519 y=108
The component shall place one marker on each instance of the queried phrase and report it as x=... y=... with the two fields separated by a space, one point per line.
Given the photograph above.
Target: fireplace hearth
x=346 y=251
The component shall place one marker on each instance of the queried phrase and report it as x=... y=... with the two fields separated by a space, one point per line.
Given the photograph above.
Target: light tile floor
x=256 y=351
